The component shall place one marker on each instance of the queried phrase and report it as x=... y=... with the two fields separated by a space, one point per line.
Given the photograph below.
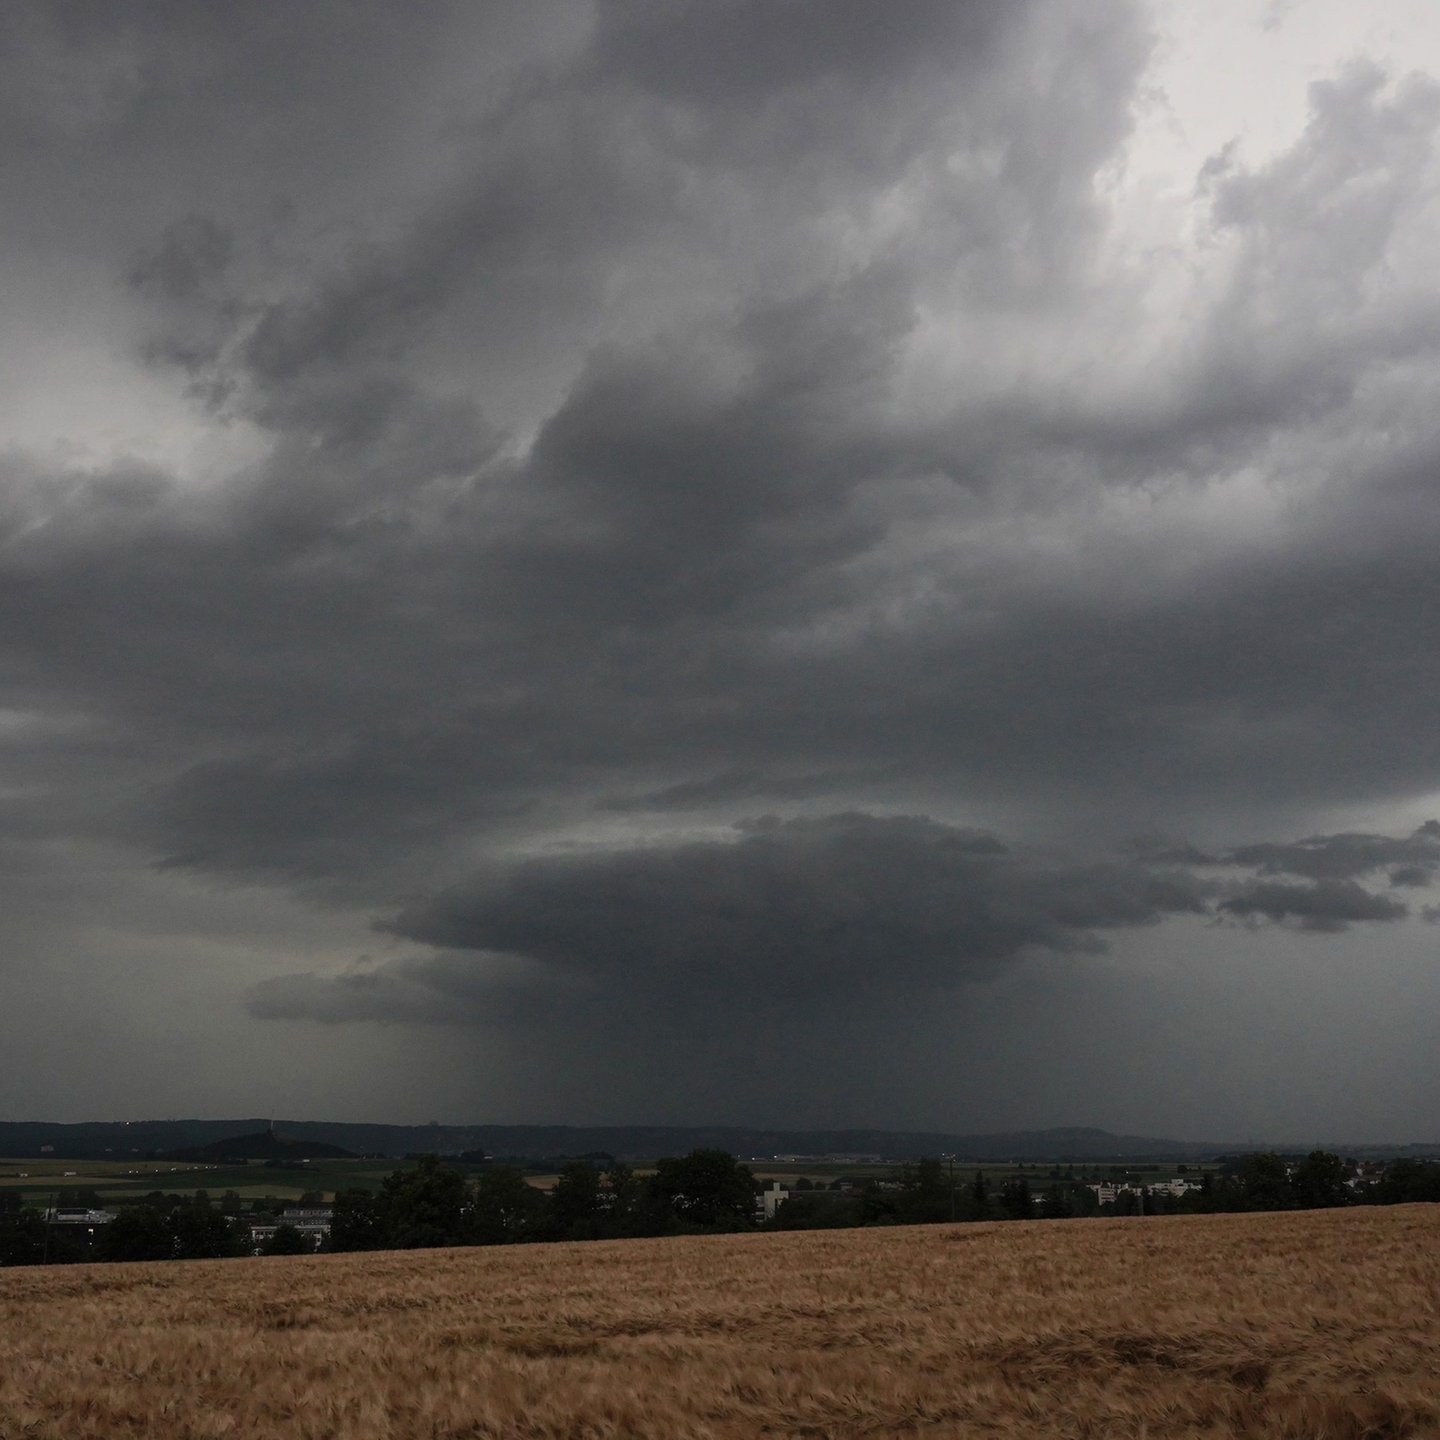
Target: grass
x=1310 y=1326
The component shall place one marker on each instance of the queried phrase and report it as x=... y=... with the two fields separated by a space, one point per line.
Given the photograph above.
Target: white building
x=78 y=1215
x=312 y=1223
x=772 y=1197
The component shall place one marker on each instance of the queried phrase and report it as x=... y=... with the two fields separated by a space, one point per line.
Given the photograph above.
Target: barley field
x=1312 y=1326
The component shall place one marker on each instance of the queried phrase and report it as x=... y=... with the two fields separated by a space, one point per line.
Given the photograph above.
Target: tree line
x=928 y=1194
x=430 y=1204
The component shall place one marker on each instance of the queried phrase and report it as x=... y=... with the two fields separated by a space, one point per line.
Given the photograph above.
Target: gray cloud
x=804 y=914
x=423 y=990
x=581 y=426
x=730 y=786
x=707 y=545
x=1327 y=905
x=1342 y=857
x=793 y=909
x=689 y=487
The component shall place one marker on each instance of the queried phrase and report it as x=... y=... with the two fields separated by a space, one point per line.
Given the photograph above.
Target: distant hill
x=648 y=1142
x=117 y=1140
x=262 y=1145
x=212 y=1140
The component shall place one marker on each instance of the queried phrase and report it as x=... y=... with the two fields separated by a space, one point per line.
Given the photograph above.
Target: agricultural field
x=1291 y=1326
x=125 y=1182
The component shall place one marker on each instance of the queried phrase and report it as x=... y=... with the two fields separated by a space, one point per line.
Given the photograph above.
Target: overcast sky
x=794 y=562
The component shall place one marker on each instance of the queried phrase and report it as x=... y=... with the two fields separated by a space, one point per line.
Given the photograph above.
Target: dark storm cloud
x=1342 y=857
x=1327 y=905
x=738 y=53
x=690 y=503
x=788 y=907
x=809 y=914
x=397 y=633
x=391 y=635
x=640 y=415
x=1332 y=863
x=798 y=912
x=1411 y=876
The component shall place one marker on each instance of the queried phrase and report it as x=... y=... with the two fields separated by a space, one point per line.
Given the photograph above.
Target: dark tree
x=925 y=1197
x=205 y=1234
x=22 y=1237
x=1057 y=1202
x=506 y=1208
x=1016 y=1201
x=624 y=1201
x=355 y=1222
x=706 y=1189
x=1407 y=1181
x=575 y=1202
x=877 y=1206
x=1319 y=1181
x=425 y=1206
x=1264 y=1182
x=287 y=1240
x=138 y=1232
x=816 y=1210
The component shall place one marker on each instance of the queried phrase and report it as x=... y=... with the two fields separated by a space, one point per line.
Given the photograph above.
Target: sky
x=722 y=561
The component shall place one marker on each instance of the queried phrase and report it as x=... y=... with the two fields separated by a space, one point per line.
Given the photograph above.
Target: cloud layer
x=505 y=449
x=808 y=915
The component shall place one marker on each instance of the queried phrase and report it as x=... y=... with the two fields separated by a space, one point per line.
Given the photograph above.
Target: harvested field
x=1314 y=1326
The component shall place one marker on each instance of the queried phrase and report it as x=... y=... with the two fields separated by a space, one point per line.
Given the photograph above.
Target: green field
x=121 y=1182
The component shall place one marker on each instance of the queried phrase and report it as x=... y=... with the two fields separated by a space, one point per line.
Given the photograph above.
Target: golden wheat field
x=1323 y=1325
